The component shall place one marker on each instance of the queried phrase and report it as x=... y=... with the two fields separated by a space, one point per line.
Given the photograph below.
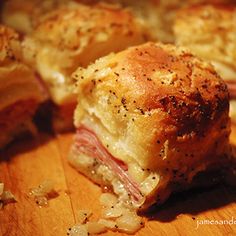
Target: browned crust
x=196 y=98
x=59 y=28
x=192 y=99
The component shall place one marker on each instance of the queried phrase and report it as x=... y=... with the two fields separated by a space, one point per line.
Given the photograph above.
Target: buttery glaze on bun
x=20 y=92
x=209 y=31
x=159 y=15
x=149 y=120
x=76 y=36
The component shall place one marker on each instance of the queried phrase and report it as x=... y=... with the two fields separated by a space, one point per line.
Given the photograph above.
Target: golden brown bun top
x=210 y=32
x=10 y=50
x=77 y=35
x=163 y=77
x=93 y=23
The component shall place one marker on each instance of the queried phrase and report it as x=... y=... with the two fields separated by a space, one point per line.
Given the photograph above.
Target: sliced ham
x=42 y=86
x=88 y=143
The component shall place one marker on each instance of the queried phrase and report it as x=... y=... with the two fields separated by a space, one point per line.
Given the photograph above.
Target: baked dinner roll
x=159 y=15
x=210 y=32
x=20 y=92
x=76 y=36
x=149 y=120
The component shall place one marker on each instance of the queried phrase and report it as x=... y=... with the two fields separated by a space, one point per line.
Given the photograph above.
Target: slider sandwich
x=159 y=15
x=20 y=91
x=76 y=36
x=149 y=121
x=209 y=31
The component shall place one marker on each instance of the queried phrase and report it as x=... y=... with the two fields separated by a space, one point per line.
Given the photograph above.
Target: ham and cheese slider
x=149 y=120
x=76 y=36
x=20 y=91
x=209 y=31
x=159 y=15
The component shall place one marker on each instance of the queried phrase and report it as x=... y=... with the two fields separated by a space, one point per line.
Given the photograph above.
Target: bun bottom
x=17 y=120
x=103 y=176
x=89 y=167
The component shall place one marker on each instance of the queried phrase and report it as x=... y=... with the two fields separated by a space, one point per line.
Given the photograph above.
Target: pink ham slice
x=232 y=89
x=42 y=86
x=88 y=143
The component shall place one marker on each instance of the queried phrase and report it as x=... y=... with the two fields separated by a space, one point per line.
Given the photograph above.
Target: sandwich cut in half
x=209 y=31
x=20 y=91
x=149 y=120
x=73 y=36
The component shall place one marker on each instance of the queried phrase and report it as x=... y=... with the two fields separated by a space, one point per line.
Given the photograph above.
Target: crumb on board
x=43 y=192
x=5 y=196
x=115 y=217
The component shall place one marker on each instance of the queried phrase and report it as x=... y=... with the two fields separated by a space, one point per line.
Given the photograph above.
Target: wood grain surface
x=27 y=163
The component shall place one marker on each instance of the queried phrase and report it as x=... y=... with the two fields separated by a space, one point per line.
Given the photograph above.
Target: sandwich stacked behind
x=76 y=36
x=209 y=31
x=20 y=91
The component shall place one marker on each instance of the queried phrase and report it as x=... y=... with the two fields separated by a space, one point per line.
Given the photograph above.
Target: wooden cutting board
x=27 y=163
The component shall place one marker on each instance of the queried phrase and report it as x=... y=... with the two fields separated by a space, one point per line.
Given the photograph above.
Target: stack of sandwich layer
x=20 y=91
